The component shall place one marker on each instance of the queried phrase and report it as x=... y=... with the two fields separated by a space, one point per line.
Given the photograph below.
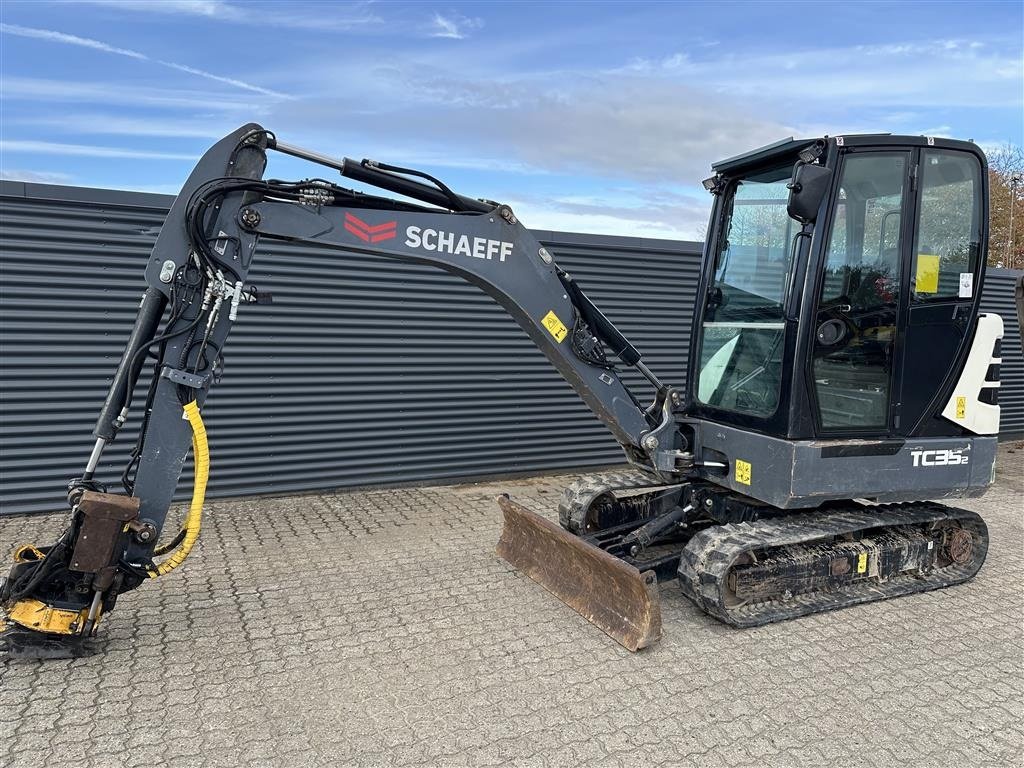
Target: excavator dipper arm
x=54 y=596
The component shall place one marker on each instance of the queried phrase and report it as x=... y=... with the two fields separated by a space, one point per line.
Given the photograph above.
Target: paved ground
x=379 y=628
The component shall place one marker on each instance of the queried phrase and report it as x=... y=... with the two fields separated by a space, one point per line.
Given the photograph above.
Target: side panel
x=792 y=474
x=974 y=402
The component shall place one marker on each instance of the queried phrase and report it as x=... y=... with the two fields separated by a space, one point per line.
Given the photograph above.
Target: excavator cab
x=839 y=304
x=836 y=314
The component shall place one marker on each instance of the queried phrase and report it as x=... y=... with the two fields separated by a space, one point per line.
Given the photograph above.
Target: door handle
x=831 y=332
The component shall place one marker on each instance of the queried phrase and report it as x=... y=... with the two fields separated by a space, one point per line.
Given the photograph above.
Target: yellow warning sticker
x=927 y=273
x=554 y=326
x=743 y=471
x=862 y=562
x=961 y=407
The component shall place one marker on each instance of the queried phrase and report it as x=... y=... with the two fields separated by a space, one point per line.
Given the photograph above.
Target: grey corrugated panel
x=998 y=297
x=362 y=371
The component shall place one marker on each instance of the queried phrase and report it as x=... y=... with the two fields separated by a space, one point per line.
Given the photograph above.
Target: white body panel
x=965 y=406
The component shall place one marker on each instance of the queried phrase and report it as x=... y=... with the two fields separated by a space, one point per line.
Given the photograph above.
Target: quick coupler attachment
x=54 y=596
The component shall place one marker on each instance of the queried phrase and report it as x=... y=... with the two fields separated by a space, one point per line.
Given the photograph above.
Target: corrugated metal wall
x=349 y=354
x=998 y=297
x=320 y=382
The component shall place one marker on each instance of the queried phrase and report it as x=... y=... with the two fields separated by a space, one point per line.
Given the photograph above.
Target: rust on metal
x=606 y=591
x=959 y=545
x=840 y=566
x=103 y=519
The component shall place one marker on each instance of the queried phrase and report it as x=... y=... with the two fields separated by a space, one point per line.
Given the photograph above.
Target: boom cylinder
x=383 y=179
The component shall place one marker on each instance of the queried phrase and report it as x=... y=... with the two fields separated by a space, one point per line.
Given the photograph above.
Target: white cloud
x=662 y=120
x=108 y=124
x=206 y=8
x=924 y=73
x=85 y=42
x=335 y=16
x=220 y=79
x=87 y=150
x=60 y=37
x=610 y=125
x=453 y=26
x=641 y=211
x=550 y=215
x=38 y=177
x=118 y=94
x=154 y=189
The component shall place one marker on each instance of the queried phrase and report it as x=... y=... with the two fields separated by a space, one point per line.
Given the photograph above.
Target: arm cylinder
x=146 y=324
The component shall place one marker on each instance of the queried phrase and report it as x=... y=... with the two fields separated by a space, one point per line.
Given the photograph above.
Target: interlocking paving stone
x=378 y=628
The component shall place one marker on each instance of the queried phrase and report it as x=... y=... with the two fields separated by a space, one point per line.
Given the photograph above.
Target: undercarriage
x=738 y=560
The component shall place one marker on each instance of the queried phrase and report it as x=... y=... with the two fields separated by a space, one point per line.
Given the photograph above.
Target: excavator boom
x=197 y=286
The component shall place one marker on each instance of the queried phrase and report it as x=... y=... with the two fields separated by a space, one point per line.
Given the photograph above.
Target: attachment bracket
x=186 y=379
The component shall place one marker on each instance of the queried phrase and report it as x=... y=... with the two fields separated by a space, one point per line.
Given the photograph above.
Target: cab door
x=899 y=291
x=854 y=349
x=944 y=282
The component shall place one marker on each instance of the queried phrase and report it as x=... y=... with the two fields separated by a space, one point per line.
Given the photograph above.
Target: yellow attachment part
x=40 y=617
x=201 y=457
x=28 y=553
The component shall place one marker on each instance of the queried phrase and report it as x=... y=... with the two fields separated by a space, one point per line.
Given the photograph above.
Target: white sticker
x=966 y=285
x=222 y=243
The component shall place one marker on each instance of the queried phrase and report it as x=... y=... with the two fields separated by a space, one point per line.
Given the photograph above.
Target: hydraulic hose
x=201 y=458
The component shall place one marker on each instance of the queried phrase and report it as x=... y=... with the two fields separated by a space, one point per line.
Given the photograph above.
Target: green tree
x=1006 y=193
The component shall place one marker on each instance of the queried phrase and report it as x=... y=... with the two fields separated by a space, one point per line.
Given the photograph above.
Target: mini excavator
x=842 y=383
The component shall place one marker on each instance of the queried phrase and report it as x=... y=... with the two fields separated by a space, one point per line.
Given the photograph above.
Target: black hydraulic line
x=362 y=171
x=453 y=197
x=414 y=189
x=602 y=327
x=127 y=374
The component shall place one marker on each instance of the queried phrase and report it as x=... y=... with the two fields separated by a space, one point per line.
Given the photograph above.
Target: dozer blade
x=606 y=591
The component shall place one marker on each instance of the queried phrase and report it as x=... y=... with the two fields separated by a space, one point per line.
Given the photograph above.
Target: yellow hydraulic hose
x=201 y=458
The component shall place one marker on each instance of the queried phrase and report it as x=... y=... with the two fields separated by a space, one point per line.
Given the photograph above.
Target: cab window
x=856 y=321
x=949 y=228
x=741 y=343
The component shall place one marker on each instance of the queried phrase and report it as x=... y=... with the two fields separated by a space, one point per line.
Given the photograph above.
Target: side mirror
x=807 y=189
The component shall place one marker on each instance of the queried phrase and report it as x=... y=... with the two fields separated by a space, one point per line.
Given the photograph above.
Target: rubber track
x=577 y=498
x=710 y=554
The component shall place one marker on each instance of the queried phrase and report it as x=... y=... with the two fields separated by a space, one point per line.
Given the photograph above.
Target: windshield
x=742 y=333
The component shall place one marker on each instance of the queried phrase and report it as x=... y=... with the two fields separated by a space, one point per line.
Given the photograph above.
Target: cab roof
x=791 y=146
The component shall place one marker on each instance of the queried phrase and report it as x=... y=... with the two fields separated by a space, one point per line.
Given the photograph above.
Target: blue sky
x=596 y=117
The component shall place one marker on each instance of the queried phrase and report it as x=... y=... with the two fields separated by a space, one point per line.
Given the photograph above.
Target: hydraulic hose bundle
x=193 y=520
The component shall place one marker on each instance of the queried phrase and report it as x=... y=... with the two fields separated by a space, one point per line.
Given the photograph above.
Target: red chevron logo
x=370 y=233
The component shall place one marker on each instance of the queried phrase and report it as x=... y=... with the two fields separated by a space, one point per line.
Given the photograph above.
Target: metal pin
x=94 y=609
x=236 y=298
x=94 y=458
